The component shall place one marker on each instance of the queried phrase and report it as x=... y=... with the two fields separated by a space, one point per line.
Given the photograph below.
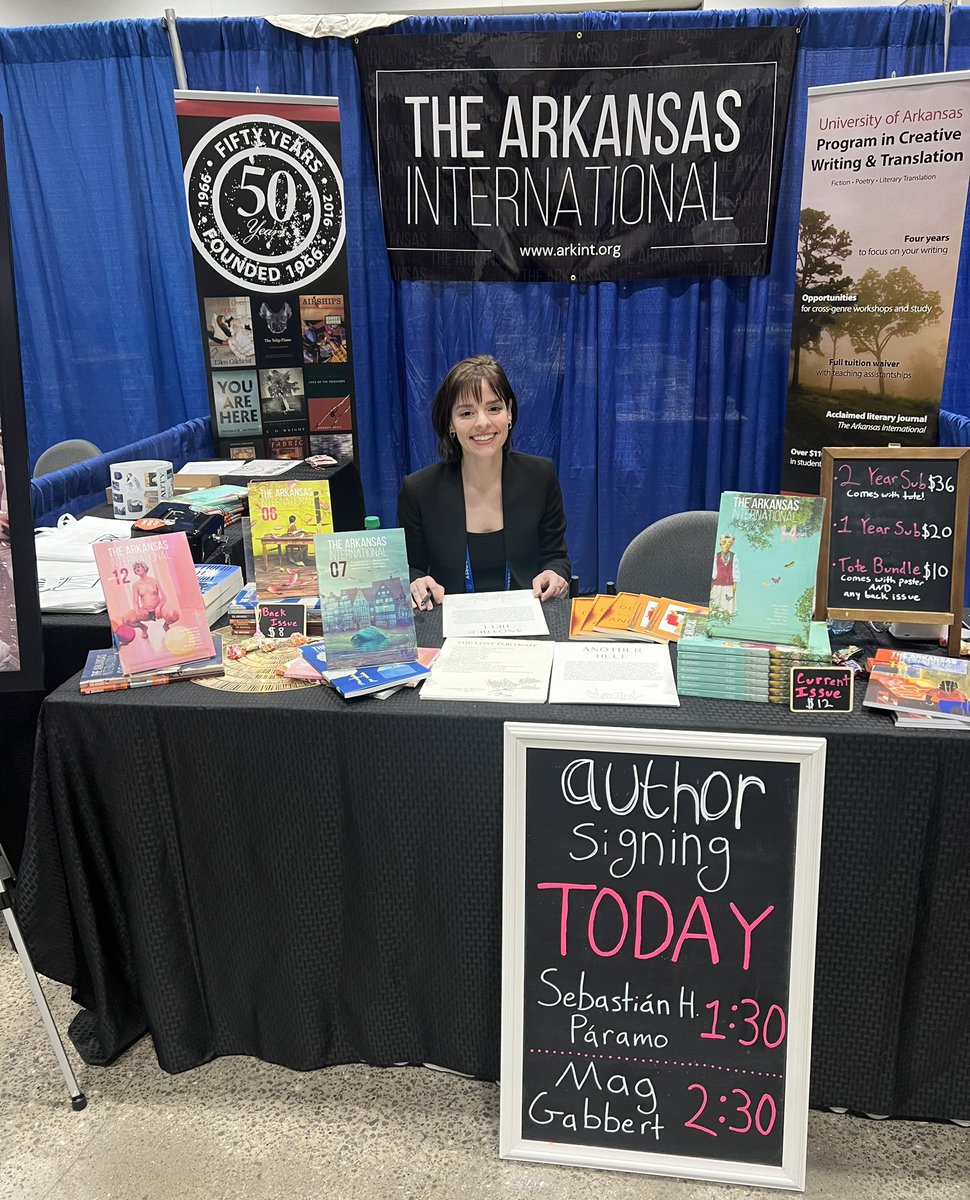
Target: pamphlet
x=493 y=614
x=491 y=669
x=612 y=673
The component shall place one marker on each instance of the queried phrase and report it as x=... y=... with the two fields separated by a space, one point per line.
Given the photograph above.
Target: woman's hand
x=426 y=593
x=548 y=586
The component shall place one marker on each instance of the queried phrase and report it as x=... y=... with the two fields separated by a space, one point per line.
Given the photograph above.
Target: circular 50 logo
x=266 y=203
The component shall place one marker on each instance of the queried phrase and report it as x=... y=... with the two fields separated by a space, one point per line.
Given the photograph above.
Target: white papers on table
x=612 y=673
x=492 y=614
x=490 y=669
x=209 y=466
x=260 y=468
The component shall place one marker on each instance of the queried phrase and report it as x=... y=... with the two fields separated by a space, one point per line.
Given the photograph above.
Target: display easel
x=78 y=1099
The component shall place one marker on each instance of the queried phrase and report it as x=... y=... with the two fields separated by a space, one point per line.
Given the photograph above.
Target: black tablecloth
x=313 y=882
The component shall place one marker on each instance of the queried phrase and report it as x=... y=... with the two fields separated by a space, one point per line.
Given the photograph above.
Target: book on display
x=670 y=617
x=365 y=598
x=579 y=608
x=642 y=619
x=764 y=568
x=365 y=681
x=596 y=611
x=219 y=583
x=284 y=518
x=155 y=605
x=927 y=685
x=103 y=671
x=615 y=621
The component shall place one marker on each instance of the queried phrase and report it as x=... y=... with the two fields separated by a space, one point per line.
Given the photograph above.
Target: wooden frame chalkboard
x=660 y=901
x=894 y=540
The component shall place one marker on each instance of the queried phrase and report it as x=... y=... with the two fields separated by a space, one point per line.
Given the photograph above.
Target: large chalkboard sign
x=659 y=935
x=894 y=543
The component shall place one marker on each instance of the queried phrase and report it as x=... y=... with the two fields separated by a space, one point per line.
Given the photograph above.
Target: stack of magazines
x=729 y=669
x=103 y=671
x=228 y=502
x=920 y=689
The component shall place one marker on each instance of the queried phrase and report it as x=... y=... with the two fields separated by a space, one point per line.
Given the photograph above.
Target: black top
x=431 y=510
x=486 y=552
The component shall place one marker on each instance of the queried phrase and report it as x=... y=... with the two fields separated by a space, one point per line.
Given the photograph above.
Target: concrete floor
x=238 y=1129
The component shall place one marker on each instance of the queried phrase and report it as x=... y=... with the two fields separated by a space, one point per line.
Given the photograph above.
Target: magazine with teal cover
x=365 y=598
x=765 y=563
x=697 y=641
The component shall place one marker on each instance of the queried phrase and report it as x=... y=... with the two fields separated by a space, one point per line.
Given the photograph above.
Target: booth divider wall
x=652 y=396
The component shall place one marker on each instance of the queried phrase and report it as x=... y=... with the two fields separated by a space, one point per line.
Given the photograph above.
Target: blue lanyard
x=470 y=579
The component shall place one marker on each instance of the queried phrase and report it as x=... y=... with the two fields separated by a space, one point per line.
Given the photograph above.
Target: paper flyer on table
x=491 y=669
x=612 y=673
x=493 y=614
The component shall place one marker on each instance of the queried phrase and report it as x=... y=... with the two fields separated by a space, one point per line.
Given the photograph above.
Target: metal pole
x=78 y=1099
x=168 y=24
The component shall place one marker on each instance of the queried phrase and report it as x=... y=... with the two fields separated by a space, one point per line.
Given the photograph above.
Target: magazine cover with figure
x=229 y=331
x=765 y=561
x=365 y=598
x=284 y=518
x=154 y=601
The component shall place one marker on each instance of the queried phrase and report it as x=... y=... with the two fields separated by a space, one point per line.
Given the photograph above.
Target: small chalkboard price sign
x=820 y=689
x=658 y=949
x=280 y=620
x=895 y=539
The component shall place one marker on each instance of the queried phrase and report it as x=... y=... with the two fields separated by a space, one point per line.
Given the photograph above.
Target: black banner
x=264 y=190
x=578 y=156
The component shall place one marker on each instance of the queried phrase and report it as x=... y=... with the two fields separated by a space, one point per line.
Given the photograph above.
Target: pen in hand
x=427 y=602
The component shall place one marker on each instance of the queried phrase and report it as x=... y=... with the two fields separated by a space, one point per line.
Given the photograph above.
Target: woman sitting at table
x=485 y=518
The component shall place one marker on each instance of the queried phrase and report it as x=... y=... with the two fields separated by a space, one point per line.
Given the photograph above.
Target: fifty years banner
x=265 y=200
x=580 y=156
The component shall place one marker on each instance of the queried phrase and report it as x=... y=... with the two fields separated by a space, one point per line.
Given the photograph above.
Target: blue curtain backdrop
x=109 y=332
x=653 y=397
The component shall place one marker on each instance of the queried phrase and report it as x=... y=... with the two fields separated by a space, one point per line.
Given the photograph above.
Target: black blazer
x=431 y=511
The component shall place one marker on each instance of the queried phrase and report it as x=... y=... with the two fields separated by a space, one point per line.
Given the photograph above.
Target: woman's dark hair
x=465 y=379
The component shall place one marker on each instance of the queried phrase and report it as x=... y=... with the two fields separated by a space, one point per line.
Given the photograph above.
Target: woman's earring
x=451 y=433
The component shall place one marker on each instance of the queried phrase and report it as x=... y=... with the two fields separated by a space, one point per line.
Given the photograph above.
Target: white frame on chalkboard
x=809 y=754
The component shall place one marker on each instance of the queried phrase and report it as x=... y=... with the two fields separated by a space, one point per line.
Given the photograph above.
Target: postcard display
x=658 y=950
x=265 y=199
x=20 y=629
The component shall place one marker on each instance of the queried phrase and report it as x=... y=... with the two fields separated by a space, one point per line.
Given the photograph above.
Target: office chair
x=672 y=557
x=65 y=454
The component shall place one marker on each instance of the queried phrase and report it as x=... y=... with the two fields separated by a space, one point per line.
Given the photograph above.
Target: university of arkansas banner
x=884 y=193
x=578 y=156
x=266 y=214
